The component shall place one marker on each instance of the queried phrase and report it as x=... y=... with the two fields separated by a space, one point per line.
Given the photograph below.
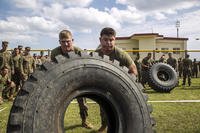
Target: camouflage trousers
x=187 y=75
x=145 y=77
x=83 y=108
x=104 y=121
x=7 y=92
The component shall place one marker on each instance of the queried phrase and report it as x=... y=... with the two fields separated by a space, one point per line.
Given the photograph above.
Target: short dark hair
x=5 y=42
x=20 y=46
x=108 y=31
x=28 y=48
x=187 y=55
x=65 y=34
x=149 y=54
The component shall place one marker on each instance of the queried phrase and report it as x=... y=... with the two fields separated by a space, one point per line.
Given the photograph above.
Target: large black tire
x=162 y=77
x=41 y=104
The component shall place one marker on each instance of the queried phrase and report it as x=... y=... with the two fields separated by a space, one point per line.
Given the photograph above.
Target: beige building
x=152 y=41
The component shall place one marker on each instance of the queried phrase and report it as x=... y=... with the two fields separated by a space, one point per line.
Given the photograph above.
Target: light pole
x=177 y=27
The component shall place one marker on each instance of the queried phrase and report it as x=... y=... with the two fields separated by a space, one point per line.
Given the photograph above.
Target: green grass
x=170 y=117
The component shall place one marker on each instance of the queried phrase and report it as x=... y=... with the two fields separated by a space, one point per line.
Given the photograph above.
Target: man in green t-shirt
x=107 y=47
x=67 y=45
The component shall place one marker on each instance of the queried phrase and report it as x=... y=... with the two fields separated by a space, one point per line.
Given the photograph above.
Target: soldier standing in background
x=42 y=57
x=187 y=70
x=66 y=45
x=20 y=47
x=162 y=59
x=5 y=58
x=147 y=62
x=172 y=61
x=180 y=67
x=27 y=64
x=17 y=75
x=195 y=68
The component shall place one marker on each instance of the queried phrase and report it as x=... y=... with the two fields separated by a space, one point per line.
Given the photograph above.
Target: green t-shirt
x=119 y=55
x=58 y=51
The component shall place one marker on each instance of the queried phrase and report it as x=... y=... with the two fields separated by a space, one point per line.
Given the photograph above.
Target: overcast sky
x=36 y=23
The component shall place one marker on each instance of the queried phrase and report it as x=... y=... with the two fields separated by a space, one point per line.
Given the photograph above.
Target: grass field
x=170 y=117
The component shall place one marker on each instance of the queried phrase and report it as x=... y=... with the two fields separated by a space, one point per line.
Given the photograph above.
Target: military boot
x=11 y=98
x=86 y=124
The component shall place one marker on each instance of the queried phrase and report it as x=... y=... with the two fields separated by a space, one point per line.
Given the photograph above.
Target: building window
x=176 y=52
x=164 y=49
x=135 y=53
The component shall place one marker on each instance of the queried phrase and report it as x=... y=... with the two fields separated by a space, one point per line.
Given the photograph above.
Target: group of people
x=106 y=47
x=185 y=68
x=15 y=68
x=18 y=66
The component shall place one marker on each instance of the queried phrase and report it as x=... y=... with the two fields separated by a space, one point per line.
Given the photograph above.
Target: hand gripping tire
x=41 y=104
x=162 y=77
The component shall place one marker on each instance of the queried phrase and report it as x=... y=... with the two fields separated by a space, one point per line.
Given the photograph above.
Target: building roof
x=150 y=35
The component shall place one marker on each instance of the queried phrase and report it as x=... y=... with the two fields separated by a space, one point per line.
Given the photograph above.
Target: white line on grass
x=176 y=101
x=165 y=101
x=2 y=109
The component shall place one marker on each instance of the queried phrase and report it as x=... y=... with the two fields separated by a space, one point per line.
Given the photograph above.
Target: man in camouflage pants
x=172 y=61
x=17 y=75
x=27 y=64
x=66 y=45
x=147 y=62
x=5 y=58
x=187 y=70
x=107 y=47
x=7 y=85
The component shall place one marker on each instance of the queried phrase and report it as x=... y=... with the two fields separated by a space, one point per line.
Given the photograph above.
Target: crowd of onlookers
x=15 y=68
x=185 y=67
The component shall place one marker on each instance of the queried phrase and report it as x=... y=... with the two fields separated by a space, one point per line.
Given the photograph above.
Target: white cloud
x=77 y=3
x=130 y=15
x=82 y=19
x=160 y=5
x=12 y=26
x=29 y=28
x=54 y=11
x=29 y=4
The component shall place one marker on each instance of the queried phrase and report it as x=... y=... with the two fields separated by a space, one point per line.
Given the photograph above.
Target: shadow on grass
x=68 y=128
x=72 y=127
x=189 y=88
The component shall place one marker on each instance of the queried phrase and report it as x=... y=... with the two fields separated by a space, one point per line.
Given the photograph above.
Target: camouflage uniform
x=172 y=62
x=7 y=86
x=162 y=59
x=27 y=66
x=194 y=68
x=6 y=59
x=147 y=62
x=81 y=101
x=17 y=76
x=180 y=67
x=124 y=60
x=187 y=70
